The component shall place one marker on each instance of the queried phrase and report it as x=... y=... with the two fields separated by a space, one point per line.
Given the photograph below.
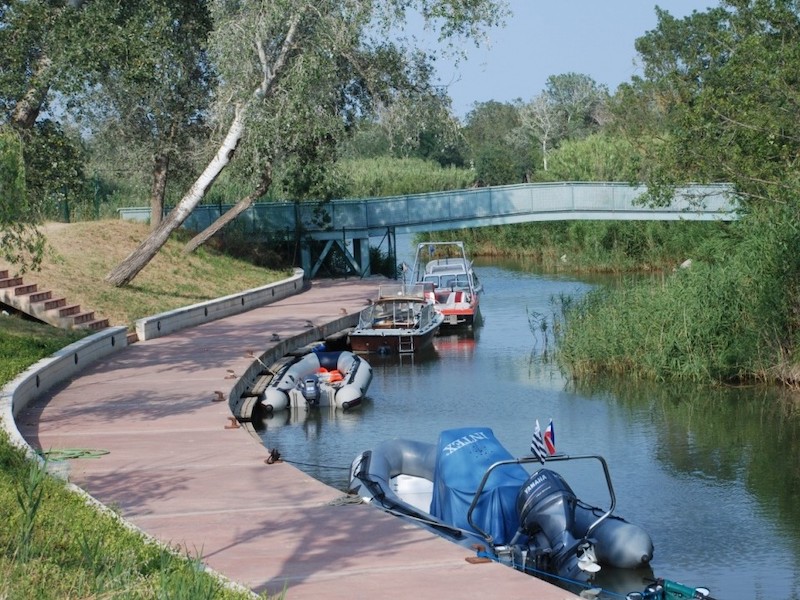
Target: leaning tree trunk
x=29 y=106
x=241 y=206
x=160 y=170
x=124 y=272
x=137 y=260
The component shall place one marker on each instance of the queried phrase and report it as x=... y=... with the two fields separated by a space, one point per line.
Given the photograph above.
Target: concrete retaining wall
x=52 y=371
x=204 y=312
x=69 y=361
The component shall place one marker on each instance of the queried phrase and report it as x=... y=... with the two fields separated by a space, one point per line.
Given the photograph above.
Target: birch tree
x=256 y=44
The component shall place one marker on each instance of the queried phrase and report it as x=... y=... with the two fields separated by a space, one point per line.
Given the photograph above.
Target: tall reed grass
x=729 y=318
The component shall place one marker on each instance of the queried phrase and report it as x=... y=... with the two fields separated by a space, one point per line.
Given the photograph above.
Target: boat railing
x=418 y=313
x=532 y=459
x=407 y=290
x=426 y=316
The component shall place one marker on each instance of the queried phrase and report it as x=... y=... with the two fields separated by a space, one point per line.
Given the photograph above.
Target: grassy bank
x=731 y=317
x=79 y=255
x=52 y=544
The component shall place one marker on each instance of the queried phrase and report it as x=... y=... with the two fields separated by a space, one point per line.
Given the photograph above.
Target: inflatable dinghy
x=469 y=489
x=317 y=379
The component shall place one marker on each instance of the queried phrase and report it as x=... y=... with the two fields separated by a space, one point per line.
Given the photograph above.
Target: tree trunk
x=241 y=206
x=137 y=260
x=160 y=170
x=28 y=107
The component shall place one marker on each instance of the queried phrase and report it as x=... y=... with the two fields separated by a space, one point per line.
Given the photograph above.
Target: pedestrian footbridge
x=350 y=224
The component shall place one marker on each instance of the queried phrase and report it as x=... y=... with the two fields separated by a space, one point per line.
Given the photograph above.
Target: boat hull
x=446 y=508
x=346 y=389
x=390 y=342
x=403 y=320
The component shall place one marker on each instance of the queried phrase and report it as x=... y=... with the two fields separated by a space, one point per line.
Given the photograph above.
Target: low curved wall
x=239 y=404
x=67 y=362
x=51 y=371
x=204 y=312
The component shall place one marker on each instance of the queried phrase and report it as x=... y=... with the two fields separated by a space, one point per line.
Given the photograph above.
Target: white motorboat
x=456 y=288
x=402 y=320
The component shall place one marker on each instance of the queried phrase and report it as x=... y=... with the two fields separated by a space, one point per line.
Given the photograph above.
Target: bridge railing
x=465 y=208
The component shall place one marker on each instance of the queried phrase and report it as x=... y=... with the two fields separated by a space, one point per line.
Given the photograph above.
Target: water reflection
x=712 y=473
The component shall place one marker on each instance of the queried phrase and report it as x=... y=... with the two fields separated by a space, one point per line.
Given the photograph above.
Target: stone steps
x=42 y=305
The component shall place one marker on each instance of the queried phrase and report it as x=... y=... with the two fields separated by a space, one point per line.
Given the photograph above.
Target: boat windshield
x=449 y=280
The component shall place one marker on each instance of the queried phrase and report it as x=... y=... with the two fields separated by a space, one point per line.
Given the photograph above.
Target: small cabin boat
x=456 y=289
x=319 y=378
x=403 y=320
x=469 y=489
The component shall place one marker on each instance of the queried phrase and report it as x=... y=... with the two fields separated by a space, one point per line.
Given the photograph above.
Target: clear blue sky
x=553 y=37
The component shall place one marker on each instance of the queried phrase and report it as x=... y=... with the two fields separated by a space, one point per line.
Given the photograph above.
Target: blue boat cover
x=463 y=456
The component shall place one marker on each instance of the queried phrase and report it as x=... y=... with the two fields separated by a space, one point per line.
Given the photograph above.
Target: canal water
x=713 y=474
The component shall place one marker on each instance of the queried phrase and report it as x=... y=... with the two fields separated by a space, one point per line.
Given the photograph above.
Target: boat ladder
x=405 y=344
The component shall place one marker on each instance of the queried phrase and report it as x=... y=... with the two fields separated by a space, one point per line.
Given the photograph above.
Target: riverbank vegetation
x=710 y=106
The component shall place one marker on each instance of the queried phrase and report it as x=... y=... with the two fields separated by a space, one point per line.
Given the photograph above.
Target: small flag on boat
x=538 y=448
x=550 y=438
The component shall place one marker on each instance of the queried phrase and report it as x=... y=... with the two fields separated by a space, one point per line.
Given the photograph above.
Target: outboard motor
x=546 y=509
x=310 y=390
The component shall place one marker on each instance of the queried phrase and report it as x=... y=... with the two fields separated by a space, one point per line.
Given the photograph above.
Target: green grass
x=22 y=343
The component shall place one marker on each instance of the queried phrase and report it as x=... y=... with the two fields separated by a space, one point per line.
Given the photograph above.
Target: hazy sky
x=553 y=37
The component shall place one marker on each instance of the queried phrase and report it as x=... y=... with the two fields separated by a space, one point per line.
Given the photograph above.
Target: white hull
x=287 y=388
x=456 y=289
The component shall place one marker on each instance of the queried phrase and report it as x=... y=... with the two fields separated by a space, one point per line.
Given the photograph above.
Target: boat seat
x=454 y=297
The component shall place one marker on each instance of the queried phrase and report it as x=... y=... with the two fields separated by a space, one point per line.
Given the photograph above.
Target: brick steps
x=41 y=304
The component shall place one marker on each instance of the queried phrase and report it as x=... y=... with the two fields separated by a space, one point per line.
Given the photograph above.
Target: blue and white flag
x=538 y=448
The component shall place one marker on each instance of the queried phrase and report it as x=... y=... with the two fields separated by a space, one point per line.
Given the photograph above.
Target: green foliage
x=56 y=182
x=27 y=33
x=714 y=105
x=414 y=125
x=488 y=132
x=370 y=178
x=20 y=242
x=726 y=319
x=29 y=499
x=598 y=157
x=578 y=103
x=597 y=246
x=22 y=343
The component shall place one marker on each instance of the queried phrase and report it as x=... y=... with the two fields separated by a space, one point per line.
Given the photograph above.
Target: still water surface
x=712 y=474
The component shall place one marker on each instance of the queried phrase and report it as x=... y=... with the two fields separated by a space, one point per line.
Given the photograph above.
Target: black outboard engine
x=310 y=389
x=546 y=509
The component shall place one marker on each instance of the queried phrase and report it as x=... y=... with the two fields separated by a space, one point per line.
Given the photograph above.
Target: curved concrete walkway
x=177 y=472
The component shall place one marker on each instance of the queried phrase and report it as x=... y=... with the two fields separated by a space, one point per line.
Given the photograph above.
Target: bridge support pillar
x=358 y=260
x=305 y=260
x=361 y=252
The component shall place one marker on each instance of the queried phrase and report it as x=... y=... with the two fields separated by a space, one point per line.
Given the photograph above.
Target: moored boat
x=402 y=320
x=468 y=488
x=319 y=378
x=456 y=288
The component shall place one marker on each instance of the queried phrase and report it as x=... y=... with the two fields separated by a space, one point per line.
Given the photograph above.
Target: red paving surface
x=175 y=471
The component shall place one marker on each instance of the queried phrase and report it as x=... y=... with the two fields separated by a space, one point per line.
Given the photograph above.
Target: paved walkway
x=175 y=471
